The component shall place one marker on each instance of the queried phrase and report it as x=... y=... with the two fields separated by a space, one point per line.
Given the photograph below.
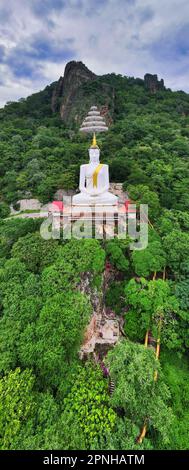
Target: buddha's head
x=94 y=155
x=94 y=151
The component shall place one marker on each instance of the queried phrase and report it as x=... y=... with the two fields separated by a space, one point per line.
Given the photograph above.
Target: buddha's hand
x=83 y=189
x=93 y=192
x=90 y=192
x=102 y=190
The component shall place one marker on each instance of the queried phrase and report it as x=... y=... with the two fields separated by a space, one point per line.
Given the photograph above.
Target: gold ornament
x=94 y=142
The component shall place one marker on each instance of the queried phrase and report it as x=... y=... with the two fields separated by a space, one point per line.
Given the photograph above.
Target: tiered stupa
x=93 y=122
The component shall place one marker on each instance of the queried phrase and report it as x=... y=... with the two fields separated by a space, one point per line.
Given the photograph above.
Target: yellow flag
x=95 y=174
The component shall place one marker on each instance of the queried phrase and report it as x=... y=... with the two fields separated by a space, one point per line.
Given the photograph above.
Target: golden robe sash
x=95 y=175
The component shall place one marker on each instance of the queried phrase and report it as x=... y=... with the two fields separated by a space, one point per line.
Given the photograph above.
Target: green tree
x=88 y=401
x=11 y=230
x=86 y=255
x=4 y=210
x=117 y=252
x=21 y=304
x=151 y=259
x=59 y=332
x=115 y=296
x=141 y=194
x=35 y=252
x=124 y=436
x=132 y=368
x=182 y=293
x=42 y=430
x=176 y=374
x=16 y=405
x=76 y=260
x=67 y=181
x=149 y=301
x=176 y=246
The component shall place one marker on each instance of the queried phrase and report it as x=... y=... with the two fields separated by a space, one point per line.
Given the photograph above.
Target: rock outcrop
x=152 y=83
x=75 y=75
x=25 y=205
x=103 y=330
x=117 y=189
x=78 y=90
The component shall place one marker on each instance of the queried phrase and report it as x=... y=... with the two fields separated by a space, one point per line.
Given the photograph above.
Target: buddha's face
x=94 y=155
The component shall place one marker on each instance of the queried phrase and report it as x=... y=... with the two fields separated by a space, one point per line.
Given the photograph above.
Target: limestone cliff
x=152 y=83
x=76 y=73
x=77 y=90
x=103 y=330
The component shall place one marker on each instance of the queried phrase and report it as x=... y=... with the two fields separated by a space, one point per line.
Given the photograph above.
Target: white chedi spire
x=93 y=122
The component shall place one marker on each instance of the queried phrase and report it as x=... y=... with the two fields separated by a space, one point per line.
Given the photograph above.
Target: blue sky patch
x=44 y=49
x=44 y=7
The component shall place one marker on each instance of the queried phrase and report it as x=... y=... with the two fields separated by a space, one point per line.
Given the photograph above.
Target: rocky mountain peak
x=75 y=75
x=78 y=72
x=152 y=83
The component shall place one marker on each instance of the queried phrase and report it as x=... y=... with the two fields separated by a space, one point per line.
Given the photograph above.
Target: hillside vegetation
x=50 y=399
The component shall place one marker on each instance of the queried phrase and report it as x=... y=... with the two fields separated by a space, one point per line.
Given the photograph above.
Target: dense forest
x=50 y=398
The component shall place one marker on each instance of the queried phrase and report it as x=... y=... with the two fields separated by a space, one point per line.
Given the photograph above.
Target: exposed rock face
x=103 y=330
x=80 y=89
x=85 y=288
x=26 y=204
x=62 y=193
x=57 y=93
x=152 y=83
x=117 y=189
x=76 y=73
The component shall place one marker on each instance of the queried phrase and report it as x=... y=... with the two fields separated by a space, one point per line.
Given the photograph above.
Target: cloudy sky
x=131 y=37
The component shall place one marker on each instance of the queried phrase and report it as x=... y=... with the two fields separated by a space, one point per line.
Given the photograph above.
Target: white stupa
x=93 y=122
x=94 y=176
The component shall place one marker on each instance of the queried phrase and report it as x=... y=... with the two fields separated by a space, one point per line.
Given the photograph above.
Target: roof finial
x=94 y=142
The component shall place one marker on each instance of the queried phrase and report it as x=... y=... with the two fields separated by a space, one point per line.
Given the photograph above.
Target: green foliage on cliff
x=90 y=402
x=49 y=398
x=132 y=368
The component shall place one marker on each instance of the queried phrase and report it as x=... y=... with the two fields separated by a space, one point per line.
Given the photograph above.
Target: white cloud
x=120 y=36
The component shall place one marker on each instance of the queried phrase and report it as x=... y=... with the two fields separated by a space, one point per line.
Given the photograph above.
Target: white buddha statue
x=94 y=181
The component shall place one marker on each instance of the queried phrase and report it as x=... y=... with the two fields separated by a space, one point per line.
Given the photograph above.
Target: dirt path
x=31 y=215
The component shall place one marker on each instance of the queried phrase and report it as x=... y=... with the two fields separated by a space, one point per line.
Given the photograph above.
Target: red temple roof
x=57 y=206
x=127 y=206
